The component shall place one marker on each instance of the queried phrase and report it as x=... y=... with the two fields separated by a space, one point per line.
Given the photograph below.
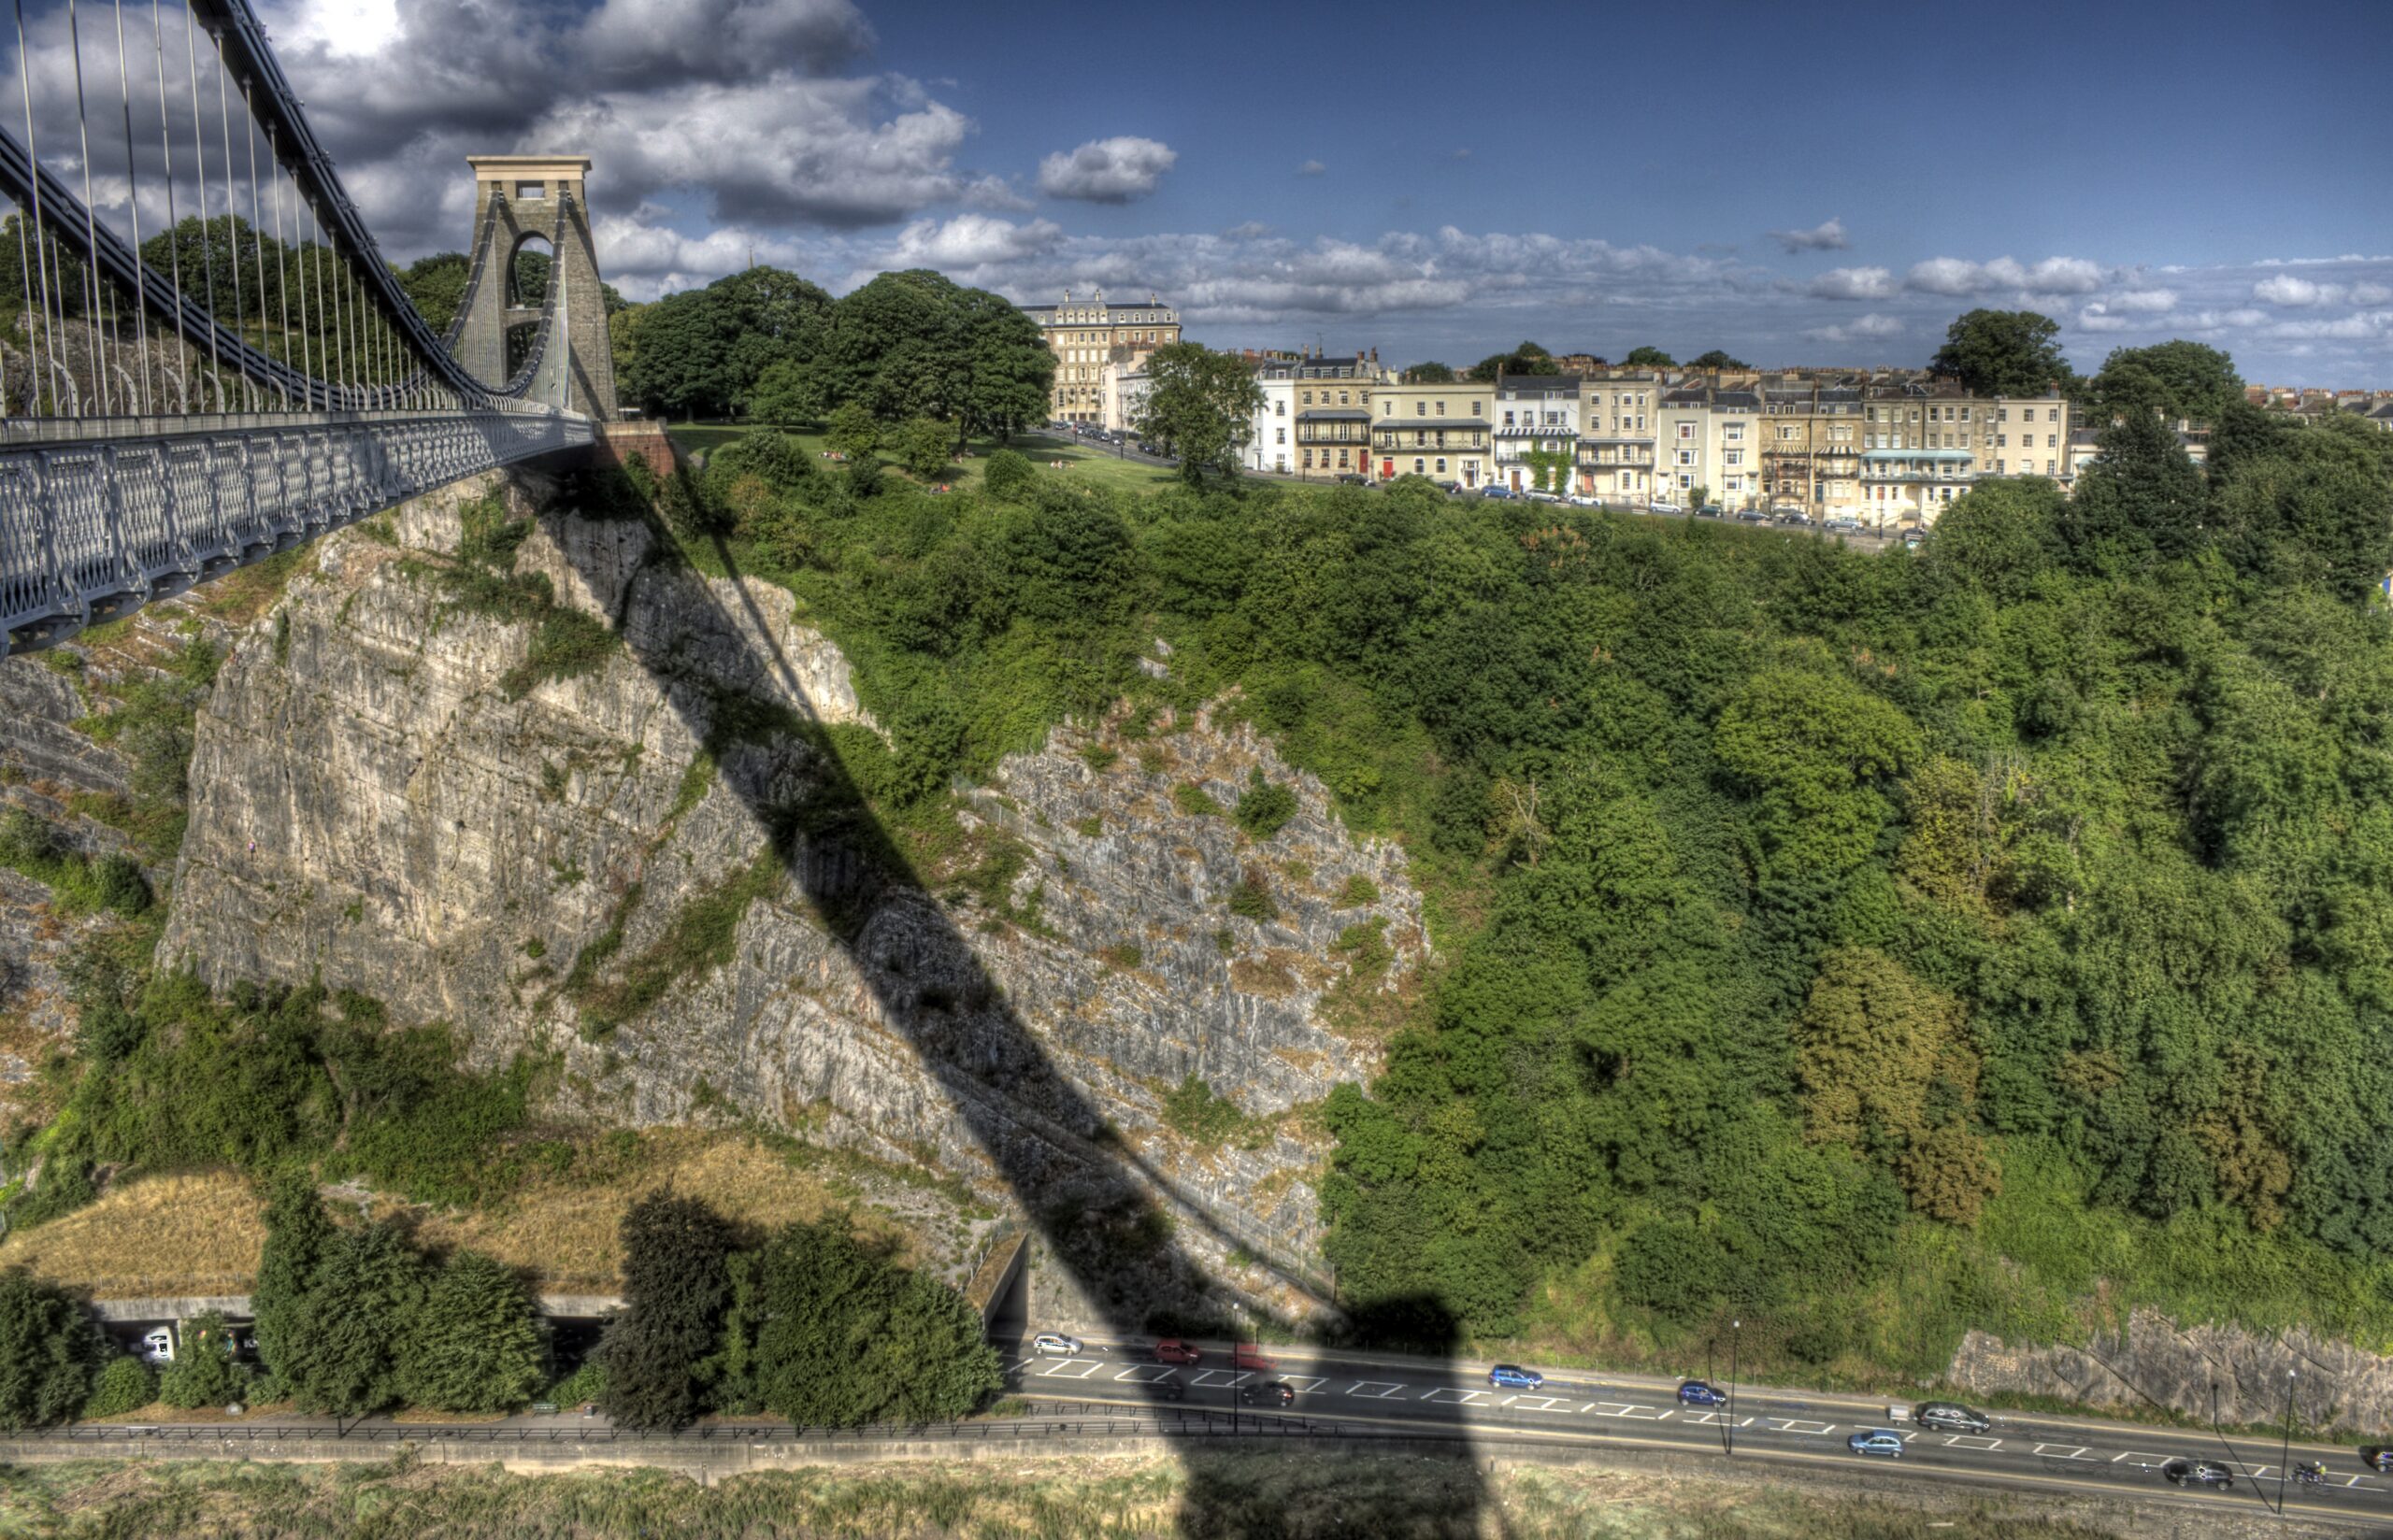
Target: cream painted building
x=1534 y=414
x=1333 y=413
x=1927 y=444
x=1709 y=441
x=1441 y=432
x=1620 y=419
x=1086 y=334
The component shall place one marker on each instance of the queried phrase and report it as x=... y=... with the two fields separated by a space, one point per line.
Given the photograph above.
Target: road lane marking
x=1801 y=1425
x=1374 y=1390
x=1972 y=1440
x=1304 y=1383
x=1713 y=1419
x=2073 y=1451
x=2134 y=1458
x=1462 y=1397
x=1144 y=1374
x=1614 y=1408
x=1062 y=1369
x=1544 y=1403
x=1210 y=1381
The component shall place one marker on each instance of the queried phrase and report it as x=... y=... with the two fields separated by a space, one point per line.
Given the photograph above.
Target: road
x=2022 y=1451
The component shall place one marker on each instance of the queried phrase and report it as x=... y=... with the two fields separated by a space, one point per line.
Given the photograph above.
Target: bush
x=475 y=1345
x=1008 y=475
x=203 y=1372
x=1264 y=808
x=1663 y=1265
x=125 y=1385
x=1251 y=898
x=1192 y=800
x=676 y=1283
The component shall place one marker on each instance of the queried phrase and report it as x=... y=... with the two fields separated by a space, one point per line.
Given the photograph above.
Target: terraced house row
x=1880 y=452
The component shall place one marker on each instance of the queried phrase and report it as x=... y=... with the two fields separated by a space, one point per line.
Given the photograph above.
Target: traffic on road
x=1388 y=1393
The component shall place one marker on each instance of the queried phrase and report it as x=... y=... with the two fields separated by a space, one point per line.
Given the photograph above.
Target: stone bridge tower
x=539 y=197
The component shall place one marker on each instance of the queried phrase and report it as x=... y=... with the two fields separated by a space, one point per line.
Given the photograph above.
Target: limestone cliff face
x=643 y=871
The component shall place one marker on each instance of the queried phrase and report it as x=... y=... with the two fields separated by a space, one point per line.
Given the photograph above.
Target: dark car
x=1348 y=479
x=2197 y=1473
x=1952 y=1416
x=1277 y=1393
x=1752 y=516
x=1502 y=494
x=1166 y=1389
x=1173 y=1350
x=1695 y=1393
x=1711 y=510
x=2377 y=1457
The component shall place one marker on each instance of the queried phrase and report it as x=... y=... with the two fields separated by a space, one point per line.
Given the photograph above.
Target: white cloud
x=2148 y=300
x=1869 y=328
x=646 y=42
x=1114 y=170
x=2095 y=318
x=2285 y=289
x=1311 y=168
x=997 y=194
x=1829 y=237
x=1959 y=278
x=1251 y=230
x=1853 y=283
x=2372 y=294
x=972 y=240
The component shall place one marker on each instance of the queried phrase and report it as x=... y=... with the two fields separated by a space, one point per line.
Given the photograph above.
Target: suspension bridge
x=204 y=357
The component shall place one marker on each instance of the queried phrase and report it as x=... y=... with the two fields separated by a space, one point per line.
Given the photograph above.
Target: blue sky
x=1441 y=179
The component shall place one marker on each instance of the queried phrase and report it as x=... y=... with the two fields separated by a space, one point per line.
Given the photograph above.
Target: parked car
x=1953 y=1416
x=2197 y=1473
x=1276 y=1392
x=1248 y=1356
x=1166 y=1389
x=1661 y=505
x=1500 y=494
x=158 y=1347
x=1877 y=1441
x=1585 y=500
x=1353 y=479
x=1536 y=496
x=1511 y=1376
x=1173 y=1350
x=1752 y=516
x=1711 y=510
x=1697 y=1392
x=1055 y=1345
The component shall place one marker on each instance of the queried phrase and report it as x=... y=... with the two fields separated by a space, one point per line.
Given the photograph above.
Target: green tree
x=1430 y=372
x=1265 y=807
x=1649 y=357
x=298 y=1233
x=2003 y=353
x=1007 y=474
x=345 y=1340
x=2315 y=505
x=2000 y=537
x=923 y=445
x=475 y=1344
x=1817 y=749
x=2176 y=379
x=2141 y=500
x=847 y=1337
x=854 y=433
x=1200 y=406
x=676 y=1283
x=437 y=283
x=49 y=1351
x=1715 y=359
x=1527 y=359
x=206 y=1372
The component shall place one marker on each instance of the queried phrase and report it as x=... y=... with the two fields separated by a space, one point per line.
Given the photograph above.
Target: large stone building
x=1086 y=335
x=1334 y=413
x=1535 y=414
x=1618 y=417
x=1270 y=439
x=1437 y=431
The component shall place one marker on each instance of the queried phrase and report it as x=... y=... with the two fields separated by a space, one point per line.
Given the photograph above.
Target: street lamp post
x=1730 y=1432
x=2284 y=1449
x=1237 y=1335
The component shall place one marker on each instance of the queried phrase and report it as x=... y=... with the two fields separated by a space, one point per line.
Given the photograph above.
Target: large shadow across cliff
x=1092 y=1201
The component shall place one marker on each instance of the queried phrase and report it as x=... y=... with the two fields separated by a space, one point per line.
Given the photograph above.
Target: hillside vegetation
x=1866 y=945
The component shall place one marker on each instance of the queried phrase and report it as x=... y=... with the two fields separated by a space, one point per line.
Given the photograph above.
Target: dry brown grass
x=194 y=1232
x=200 y=1232
x=563 y=1229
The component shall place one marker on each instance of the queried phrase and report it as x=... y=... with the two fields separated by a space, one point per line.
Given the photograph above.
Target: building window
x=1417 y=466
x=1283 y=435
x=1508 y=420
x=1733 y=457
x=1477 y=407
x=1420 y=409
x=1442 y=408
x=1687 y=432
x=1441 y=467
x=1734 y=432
x=1342 y=398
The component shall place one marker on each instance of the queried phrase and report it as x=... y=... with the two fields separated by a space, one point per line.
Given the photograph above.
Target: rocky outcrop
x=2335 y=1385
x=650 y=867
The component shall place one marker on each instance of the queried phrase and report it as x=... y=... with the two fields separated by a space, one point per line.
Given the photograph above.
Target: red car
x=1248 y=1356
x=1173 y=1350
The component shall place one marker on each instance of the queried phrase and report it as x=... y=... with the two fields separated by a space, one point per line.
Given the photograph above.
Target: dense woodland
x=1819 y=930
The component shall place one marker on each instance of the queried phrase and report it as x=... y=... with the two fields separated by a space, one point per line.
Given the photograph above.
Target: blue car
x=1511 y=1376
x=1877 y=1441
x=1695 y=1392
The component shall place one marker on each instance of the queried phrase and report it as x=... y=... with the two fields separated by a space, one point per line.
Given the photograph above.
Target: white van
x=158 y=1347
